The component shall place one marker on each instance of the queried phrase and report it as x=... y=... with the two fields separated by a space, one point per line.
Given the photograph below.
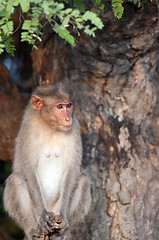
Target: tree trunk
x=115 y=80
x=11 y=105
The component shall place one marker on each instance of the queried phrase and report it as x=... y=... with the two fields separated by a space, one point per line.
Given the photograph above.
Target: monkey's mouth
x=65 y=127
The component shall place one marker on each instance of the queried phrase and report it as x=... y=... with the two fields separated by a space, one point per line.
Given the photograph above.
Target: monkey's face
x=61 y=115
x=58 y=114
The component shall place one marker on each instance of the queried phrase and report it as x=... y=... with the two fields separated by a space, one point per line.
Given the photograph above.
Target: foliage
x=139 y=3
x=64 y=16
x=35 y=15
x=117 y=8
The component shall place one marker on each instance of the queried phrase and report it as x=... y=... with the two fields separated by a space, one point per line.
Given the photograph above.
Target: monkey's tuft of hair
x=58 y=91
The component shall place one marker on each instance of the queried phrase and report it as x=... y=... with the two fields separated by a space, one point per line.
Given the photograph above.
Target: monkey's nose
x=67 y=118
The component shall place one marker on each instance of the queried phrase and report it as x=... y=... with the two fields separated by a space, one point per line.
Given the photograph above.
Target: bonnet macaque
x=46 y=190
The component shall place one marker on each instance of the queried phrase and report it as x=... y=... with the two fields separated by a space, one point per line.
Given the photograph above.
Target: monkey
x=47 y=191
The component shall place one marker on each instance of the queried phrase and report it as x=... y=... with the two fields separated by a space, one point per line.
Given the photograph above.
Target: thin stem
x=20 y=23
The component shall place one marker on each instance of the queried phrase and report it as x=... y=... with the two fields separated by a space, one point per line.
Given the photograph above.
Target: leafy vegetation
x=65 y=18
x=34 y=15
x=117 y=8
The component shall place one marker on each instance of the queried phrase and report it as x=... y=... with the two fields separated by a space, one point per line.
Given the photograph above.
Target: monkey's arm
x=25 y=162
x=35 y=193
x=27 y=169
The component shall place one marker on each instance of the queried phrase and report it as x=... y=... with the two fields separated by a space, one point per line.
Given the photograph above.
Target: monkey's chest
x=50 y=170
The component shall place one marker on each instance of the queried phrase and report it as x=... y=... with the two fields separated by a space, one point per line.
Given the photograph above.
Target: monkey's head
x=55 y=105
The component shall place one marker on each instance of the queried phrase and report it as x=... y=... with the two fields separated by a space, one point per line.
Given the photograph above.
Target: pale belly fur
x=50 y=171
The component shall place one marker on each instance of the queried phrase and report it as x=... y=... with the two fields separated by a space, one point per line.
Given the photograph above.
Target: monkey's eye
x=69 y=105
x=59 y=106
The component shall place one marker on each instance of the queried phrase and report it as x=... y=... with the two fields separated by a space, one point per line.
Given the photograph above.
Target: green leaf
x=93 y=18
x=7 y=28
x=4 y=13
x=63 y=33
x=26 y=25
x=96 y=11
x=36 y=1
x=89 y=31
x=34 y=46
x=79 y=4
x=2 y=21
x=66 y=1
x=16 y=2
x=117 y=8
x=26 y=37
x=135 y=1
x=2 y=5
x=10 y=7
x=78 y=20
x=25 y=5
x=67 y=11
x=66 y=20
x=1 y=48
x=50 y=8
x=99 y=4
x=35 y=21
x=36 y=12
x=80 y=26
x=75 y=13
x=9 y=46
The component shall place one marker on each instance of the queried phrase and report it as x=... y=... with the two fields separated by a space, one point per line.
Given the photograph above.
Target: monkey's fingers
x=51 y=215
x=46 y=223
x=54 y=226
x=42 y=228
x=59 y=222
x=37 y=236
x=61 y=225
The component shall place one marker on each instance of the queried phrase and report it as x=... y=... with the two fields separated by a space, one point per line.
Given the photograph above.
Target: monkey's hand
x=62 y=225
x=47 y=225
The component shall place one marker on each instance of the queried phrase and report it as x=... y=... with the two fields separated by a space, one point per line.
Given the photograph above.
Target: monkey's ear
x=37 y=103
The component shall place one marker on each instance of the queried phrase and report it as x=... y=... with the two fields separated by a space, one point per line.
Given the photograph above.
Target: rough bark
x=115 y=80
x=11 y=105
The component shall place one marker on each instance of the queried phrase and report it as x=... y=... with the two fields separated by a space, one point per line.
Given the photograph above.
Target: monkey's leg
x=81 y=200
x=80 y=204
x=18 y=204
